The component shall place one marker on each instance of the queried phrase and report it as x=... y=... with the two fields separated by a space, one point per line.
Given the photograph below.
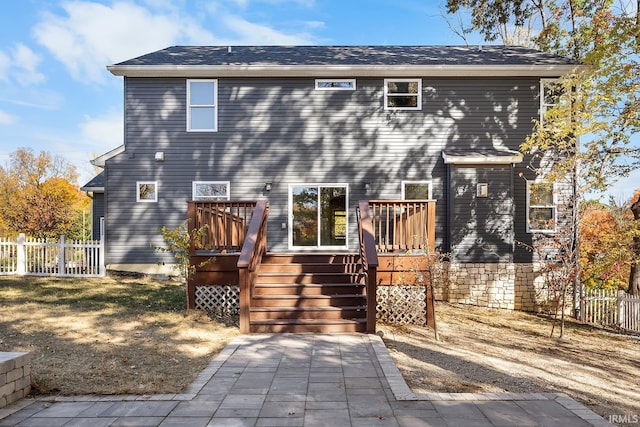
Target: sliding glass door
x=318 y=216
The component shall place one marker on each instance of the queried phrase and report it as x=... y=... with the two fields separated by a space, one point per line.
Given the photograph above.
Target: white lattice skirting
x=401 y=304
x=221 y=300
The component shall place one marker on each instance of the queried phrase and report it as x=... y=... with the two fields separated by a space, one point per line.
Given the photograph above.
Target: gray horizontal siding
x=481 y=227
x=283 y=131
x=97 y=211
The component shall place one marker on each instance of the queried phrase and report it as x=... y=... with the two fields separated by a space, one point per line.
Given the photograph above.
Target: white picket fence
x=41 y=257
x=605 y=307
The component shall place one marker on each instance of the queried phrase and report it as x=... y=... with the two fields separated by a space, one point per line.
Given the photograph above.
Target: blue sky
x=56 y=94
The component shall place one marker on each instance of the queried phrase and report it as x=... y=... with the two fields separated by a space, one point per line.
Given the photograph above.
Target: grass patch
x=107 y=335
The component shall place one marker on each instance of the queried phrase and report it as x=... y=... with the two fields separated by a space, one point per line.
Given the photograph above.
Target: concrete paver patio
x=302 y=380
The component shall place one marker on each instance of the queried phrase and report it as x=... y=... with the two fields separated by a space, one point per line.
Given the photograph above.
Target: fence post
x=61 y=270
x=620 y=309
x=21 y=267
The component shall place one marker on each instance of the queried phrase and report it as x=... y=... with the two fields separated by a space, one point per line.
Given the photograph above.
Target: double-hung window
x=210 y=190
x=541 y=207
x=202 y=105
x=550 y=92
x=402 y=94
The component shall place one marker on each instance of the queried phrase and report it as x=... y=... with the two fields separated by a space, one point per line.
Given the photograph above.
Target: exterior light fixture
x=267 y=186
x=159 y=156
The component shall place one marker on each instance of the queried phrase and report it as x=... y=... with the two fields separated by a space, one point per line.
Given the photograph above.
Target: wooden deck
x=310 y=292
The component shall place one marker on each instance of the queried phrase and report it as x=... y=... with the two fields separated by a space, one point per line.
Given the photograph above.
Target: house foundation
x=510 y=286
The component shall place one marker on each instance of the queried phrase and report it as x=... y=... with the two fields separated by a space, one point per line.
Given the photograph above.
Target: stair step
x=298 y=258
x=308 y=325
x=283 y=300
x=331 y=289
x=273 y=313
x=318 y=278
x=309 y=268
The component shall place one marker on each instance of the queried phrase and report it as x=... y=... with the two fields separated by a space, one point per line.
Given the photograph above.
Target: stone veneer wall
x=15 y=377
x=508 y=286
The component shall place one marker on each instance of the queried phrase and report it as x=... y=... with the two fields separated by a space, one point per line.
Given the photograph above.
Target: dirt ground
x=483 y=350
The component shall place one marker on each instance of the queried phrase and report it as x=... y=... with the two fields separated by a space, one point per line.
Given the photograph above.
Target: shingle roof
x=348 y=55
x=95 y=184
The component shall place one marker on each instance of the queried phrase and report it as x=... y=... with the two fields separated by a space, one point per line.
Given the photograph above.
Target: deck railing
x=403 y=225
x=254 y=247
x=369 y=260
x=226 y=223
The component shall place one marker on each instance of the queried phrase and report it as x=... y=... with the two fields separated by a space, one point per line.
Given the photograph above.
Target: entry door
x=318 y=216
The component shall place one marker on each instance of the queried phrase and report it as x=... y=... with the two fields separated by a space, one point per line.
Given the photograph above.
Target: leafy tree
x=36 y=195
x=586 y=138
x=634 y=274
x=601 y=100
x=605 y=240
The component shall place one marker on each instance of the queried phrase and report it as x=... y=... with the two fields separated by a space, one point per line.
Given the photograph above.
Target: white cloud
x=92 y=35
x=6 y=118
x=103 y=132
x=250 y=33
x=89 y=35
x=26 y=62
x=20 y=65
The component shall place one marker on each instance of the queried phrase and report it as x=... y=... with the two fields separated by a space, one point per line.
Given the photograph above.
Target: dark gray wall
x=97 y=211
x=283 y=131
x=481 y=227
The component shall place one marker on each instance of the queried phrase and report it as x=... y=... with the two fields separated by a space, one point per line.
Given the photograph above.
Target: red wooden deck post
x=431 y=225
x=371 y=257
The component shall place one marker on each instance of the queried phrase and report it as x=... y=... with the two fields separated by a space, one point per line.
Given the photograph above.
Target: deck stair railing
x=254 y=247
x=369 y=260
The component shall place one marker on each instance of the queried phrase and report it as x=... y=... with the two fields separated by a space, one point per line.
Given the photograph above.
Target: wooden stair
x=308 y=293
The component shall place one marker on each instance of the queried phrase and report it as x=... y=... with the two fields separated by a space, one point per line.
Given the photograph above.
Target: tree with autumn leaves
x=585 y=139
x=608 y=254
x=37 y=197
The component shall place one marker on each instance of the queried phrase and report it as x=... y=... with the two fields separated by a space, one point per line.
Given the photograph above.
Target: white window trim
x=423 y=182
x=418 y=95
x=155 y=193
x=352 y=81
x=195 y=183
x=554 y=206
x=214 y=106
x=543 y=105
x=290 y=219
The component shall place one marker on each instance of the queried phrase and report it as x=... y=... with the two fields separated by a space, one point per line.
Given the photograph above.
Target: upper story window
x=147 y=191
x=541 y=207
x=335 y=84
x=210 y=190
x=402 y=94
x=202 y=105
x=550 y=92
x=416 y=190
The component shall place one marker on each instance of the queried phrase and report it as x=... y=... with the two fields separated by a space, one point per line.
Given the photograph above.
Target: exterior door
x=318 y=216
